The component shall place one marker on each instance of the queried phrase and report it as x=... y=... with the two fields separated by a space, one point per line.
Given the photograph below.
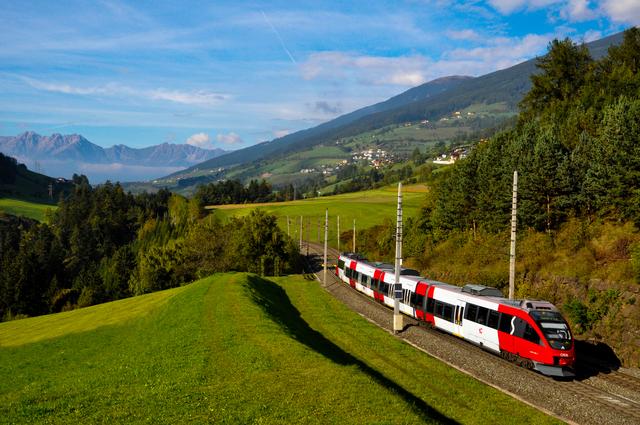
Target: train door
x=420 y=301
x=458 y=315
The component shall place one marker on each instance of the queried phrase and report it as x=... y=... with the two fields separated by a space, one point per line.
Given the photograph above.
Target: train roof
x=380 y=266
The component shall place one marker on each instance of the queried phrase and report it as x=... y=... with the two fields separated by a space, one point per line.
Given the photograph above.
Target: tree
x=563 y=72
x=116 y=272
x=8 y=169
x=620 y=138
x=258 y=244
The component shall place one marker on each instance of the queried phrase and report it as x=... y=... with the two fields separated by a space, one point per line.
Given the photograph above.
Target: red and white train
x=529 y=332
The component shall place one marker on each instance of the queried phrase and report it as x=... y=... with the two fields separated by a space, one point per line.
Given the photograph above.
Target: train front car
x=561 y=355
x=539 y=338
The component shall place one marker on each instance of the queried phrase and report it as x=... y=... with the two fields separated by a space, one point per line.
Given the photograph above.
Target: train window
x=418 y=301
x=482 y=315
x=412 y=301
x=439 y=309
x=519 y=326
x=505 y=322
x=531 y=335
x=494 y=317
x=471 y=312
x=374 y=284
x=347 y=273
x=408 y=296
x=384 y=287
x=340 y=264
x=430 y=305
x=448 y=312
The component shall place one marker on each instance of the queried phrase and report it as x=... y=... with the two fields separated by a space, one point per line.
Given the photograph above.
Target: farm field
x=232 y=348
x=368 y=208
x=25 y=208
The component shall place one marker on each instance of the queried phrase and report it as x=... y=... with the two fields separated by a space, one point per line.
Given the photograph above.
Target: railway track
x=597 y=397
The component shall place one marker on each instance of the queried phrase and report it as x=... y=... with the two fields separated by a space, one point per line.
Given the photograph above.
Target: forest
x=103 y=244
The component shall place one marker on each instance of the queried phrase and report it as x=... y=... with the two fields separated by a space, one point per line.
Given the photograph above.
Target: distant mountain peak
x=79 y=154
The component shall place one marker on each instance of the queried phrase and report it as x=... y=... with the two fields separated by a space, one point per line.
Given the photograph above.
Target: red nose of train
x=565 y=358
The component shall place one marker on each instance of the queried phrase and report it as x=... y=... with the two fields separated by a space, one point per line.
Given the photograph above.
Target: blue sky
x=229 y=74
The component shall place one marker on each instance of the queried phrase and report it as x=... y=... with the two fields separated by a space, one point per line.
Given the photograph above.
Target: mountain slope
x=17 y=182
x=310 y=136
x=429 y=101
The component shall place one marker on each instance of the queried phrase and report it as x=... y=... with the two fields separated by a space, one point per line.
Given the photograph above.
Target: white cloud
x=200 y=140
x=500 y=53
x=627 y=11
x=229 y=139
x=199 y=97
x=68 y=89
x=578 y=11
x=281 y=133
x=368 y=70
x=592 y=35
x=467 y=34
x=506 y=7
x=494 y=54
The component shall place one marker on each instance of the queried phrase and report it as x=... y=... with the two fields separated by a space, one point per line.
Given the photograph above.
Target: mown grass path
x=232 y=348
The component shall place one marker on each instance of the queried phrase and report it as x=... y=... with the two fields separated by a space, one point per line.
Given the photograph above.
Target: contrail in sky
x=279 y=38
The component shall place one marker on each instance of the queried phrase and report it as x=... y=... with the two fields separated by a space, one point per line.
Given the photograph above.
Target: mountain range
x=63 y=155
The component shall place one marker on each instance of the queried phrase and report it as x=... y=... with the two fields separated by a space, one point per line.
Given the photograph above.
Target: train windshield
x=554 y=327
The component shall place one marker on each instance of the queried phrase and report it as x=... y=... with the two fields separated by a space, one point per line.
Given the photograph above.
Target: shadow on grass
x=275 y=302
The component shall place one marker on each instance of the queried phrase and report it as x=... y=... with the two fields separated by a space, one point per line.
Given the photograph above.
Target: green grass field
x=232 y=348
x=368 y=208
x=25 y=208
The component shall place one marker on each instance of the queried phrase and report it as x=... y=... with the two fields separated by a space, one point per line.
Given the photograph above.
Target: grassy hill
x=26 y=193
x=19 y=207
x=368 y=208
x=231 y=348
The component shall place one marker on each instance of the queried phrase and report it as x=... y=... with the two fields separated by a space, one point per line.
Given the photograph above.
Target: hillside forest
x=102 y=244
x=576 y=147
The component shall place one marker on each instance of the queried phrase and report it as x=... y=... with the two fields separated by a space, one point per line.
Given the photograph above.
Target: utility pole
x=354 y=235
x=308 y=233
x=338 y=233
x=326 y=237
x=514 y=222
x=397 y=287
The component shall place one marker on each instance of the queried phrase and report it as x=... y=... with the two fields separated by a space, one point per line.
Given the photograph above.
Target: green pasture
x=368 y=208
x=25 y=208
x=232 y=348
